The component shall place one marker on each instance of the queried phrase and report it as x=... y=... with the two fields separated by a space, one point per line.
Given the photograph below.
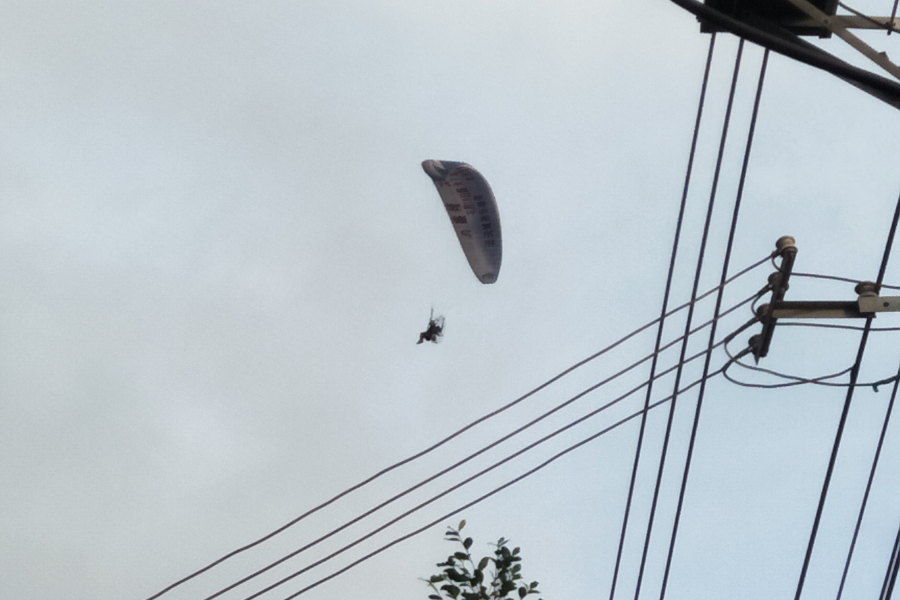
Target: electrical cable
x=445 y=440
x=821 y=380
x=829 y=277
x=865 y=500
x=491 y=493
x=494 y=444
x=726 y=263
x=801 y=380
x=887 y=418
x=854 y=372
x=665 y=304
x=836 y=278
x=696 y=285
x=846 y=409
x=460 y=484
x=890 y=577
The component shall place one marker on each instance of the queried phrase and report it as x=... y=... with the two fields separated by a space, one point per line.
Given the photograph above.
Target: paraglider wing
x=472 y=209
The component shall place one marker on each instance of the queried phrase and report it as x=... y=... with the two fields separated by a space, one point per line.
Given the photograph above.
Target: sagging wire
x=829 y=277
x=795 y=380
x=446 y=439
x=495 y=490
x=464 y=482
x=500 y=441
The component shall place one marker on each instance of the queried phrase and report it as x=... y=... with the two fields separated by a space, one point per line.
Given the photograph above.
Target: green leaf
x=467 y=543
x=483 y=563
x=461 y=555
x=534 y=584
x=462 y=524
x=516 y=550
x=436 y=578
x=522 y=592
x=434 y=597
x=451 y=590
x=457 y=576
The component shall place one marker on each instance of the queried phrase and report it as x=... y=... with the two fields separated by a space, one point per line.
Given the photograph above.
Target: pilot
x=430 y=334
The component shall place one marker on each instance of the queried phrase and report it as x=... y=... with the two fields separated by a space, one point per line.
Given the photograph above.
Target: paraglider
x=435 y=330
x=472 y=209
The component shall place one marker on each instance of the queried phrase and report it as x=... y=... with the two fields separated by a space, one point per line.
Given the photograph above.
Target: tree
x=463 y=579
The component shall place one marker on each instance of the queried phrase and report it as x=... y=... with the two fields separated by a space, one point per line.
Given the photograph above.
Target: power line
x=494 y=444
x=486 y=448
x=887 y=417
x=795 y=380
x=696 y=285
x=443 y=493
x=726 y=263
x=846 y=409
x=890 y=576
x=665 y=304
x=492 y=492
x=445 y=440
x=862 y=508
x=836 y=278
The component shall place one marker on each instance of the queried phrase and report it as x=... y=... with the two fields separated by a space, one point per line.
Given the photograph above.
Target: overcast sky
x=218 y=247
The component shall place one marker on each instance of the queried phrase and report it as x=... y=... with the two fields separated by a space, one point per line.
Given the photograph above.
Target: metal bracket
x=876 y=304
x=879 y=58
x=827 y=309
x=866 y=307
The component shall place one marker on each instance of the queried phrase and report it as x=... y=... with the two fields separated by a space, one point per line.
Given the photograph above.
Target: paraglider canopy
x=472 y=209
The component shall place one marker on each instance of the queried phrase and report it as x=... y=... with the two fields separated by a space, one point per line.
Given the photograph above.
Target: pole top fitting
x=866 y=288
x=785 y=242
